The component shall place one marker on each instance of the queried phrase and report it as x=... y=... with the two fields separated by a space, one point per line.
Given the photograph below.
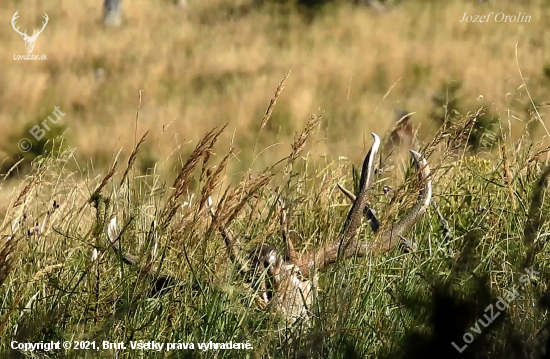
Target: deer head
x=29 y=41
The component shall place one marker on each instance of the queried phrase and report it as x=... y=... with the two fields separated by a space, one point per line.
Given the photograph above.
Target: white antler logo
x=29 y=40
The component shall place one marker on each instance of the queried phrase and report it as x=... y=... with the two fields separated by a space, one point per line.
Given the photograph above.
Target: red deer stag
x=292 y=280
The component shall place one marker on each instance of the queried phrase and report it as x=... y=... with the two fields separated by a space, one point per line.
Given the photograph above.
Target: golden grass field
x=221 y=62
x=180 y=74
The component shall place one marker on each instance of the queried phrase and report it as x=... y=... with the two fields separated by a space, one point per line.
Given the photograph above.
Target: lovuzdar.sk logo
x=29 y=40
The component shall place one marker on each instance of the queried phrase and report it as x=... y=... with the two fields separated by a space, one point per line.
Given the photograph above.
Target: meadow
x=248 y=105
x=61 y=280
x=221 y=61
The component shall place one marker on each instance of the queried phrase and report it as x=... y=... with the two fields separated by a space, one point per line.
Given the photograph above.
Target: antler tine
x=45 y=23
x=368 y=212
x=353 y=221
x=161 y=280
x=15 y=17
x=391 y=235
x=230 y=242
x=115 y=243
x=38 y=32
x=289 y=246
x=347 y=193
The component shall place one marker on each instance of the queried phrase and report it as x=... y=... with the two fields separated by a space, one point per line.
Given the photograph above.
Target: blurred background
x=204 y=63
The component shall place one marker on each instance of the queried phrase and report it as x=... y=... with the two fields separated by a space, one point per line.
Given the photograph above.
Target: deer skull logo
x=29 y=40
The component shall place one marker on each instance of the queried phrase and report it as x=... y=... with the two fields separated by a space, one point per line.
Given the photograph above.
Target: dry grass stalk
x=6 y=259
x=35 y=278
x=455 y=133
x=213 y=179
x=212 y=182
x=535 y=217
x=460 y=132
x=23 y=194
x=290 y=252
x=133 y=157
x=180 y=184
x=105 y=180
x=536 y=156
x=272 y=227
x=507 y=173
x=229 y=206
x=325 y=189
x=300 y=142
x=231 y=243
x=202 y=149
x=13 y=168
x=216 y=216
x=206 y=157
x=273 y=101
x=253 y=210
x=137 y=115
x=251 y=189
x=229 y=196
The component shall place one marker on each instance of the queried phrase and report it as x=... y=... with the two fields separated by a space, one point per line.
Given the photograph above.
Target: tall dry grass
x=72 y=272
x=221 y=61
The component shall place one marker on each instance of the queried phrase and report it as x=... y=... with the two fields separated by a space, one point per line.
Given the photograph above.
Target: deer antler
x=36 y=32
x=290 y=253
x=389 y=237
x=420 y=207
x=24 y=34
x=353 y=222
x=232 y=245
x=15 y=17
x=161 y=281
x=368 y=212
x=291 y=292
x=346 y=245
